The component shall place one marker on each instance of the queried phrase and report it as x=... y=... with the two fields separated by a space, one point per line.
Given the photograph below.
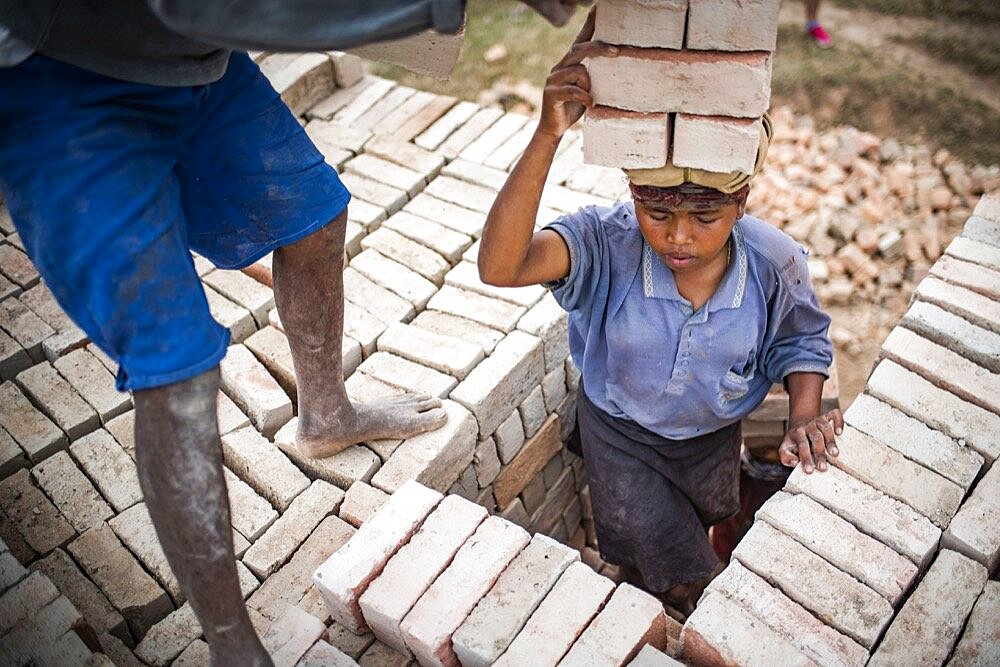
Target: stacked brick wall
x=689 y=84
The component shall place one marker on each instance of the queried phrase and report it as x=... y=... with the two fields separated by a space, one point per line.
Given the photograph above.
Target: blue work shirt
x=647 y=356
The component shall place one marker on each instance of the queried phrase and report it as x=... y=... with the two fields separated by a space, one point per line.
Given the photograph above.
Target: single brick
x=840 y=543
x=469 y=195
x=968 y=340
x=704 y=83
x=503 y=379
x=24 y=326
x=13 y=357
x=931 y=621
x=889 y=471
x=891 y=522
x=262 y=465
x=167 y=639
x=937 y=408
x=509 y=437
x=47 y=638
x=980 y=643
x=554 y=388
x=434 y=458
x=329 y=106
x=428 y=53
x=444 y=353
x=234 y=317
x=110 y=468
x=230 y=416
x=384 y=196
x=35 y=518
x=508 y=152
x=651 y=657
x=720 y=632
x=11 y=455
x=976 y=278
x=134 y=528
x=11 y=571
x=835 y=597
x=394 y=149
x=380 y=655
x=291 y=583
x=465 y=276
x=24 y=599
x=347 y=68
x=412 y=118
x=71 y=492
x=17 y=267
x=629 y=620
x=195 y=655
x=975 y=252
x=110 y=565
x=407 y=375
x=493 y=138
x=473 y=172
x=533 y=456
x=383 y=107
x=725 y=26
x=342 y=469
x=429 y=625
x=389 y=173
x=276 y=545
x=345 y=575
x=380 y=302
x=466 y=485
x=626 y=139
x=788 y=619
x=716 y=143
x=533 y=413
x=412 y=570
x=290 y=635
x=337 y=136
x=471 y=130
x=360 y=502
x=394 y=276
x=364 y=99
x=975 y=530
x=92 y=603
x=250 y=514
x=454 y=326
x=322 y=654
x=410 y=254
x=500 y=615
x=656 y=24
x=302 y=80
x=363 y=327
x=914 y=439
x=565 y=200
x=441 y=239
x=245 y=291
x=259 y=396
x=270 y=347
x=486 y=462
x=435 y=134
x=58 y=400
x=366 y=215
x=550 y=512
x=94 y=382
x=560 y=618
x=459 y=218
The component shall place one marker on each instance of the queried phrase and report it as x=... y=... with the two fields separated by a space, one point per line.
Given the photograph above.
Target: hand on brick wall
x=810 y=442
x=567 y=90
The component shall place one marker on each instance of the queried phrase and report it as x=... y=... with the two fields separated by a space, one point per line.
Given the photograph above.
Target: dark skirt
x=654 y=498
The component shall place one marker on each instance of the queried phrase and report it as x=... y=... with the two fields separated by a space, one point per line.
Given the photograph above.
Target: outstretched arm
x=510 y=253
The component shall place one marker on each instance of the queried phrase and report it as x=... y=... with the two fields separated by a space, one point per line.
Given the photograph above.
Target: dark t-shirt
x=187 y=42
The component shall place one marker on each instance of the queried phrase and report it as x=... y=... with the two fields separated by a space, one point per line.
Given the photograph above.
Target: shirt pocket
x=735 y=384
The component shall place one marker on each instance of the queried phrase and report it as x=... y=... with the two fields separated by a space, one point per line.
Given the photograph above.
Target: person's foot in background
x=819 y=35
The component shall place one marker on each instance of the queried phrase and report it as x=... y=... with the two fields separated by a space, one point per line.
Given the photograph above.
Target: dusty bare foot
x=395 y=417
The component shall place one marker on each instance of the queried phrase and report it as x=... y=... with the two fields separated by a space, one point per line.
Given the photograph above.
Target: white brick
x=365 y=214
x=71 y=492
x=271 y=348
x=345 y=575
x=560 y=618
x=262 y=465
x=532 y=410
x=891 y=522
x=167 y=639
x=979 y=645
x=234 y=317
x=393 y=275
x=300 y=79
x=462 y=328
x=347 y=68
x=554 y=388
x=285 y=535
x=509 y=437
x=494 y=313
x=751 y=25
x=429 y=53
x=13 y=357
x=25 y=599
x=504 y=379
x=110 y=467
x=404 y=153
x=290 y=635
x=469 y=131
x=11 y=455
x=500 y=615
x=465 y=275
x=329 y=106
x=977 y=278
x=58 y=400
x=384 y=305
x=788 y=619
x=245 y=291
x=428 y=627
x=469 y=195
x=975 y=530
x=493 y=138
x=486 y=462
x=716 y=143
x=439 y=238
x=434 y=458
x=442 y=128
x=342 y=469
x=362 y=326
x=322 y=654
x=379 y=194
x=651 y=23
x=444 y=353
x=376 y=112
x=407 y=375
x=247 y=382
x=376 y=89
x=937 y=408
x=459 y=218
x=508 y=152
x=387 y=172
x=709 y=84
x=17 y=267
x=230 y=416
x=930 y=622
x=630 y=620
x=835 y=597
x=840 y=543
x=334 y=135
x=974 y=343
x=134 y=528
x=24 y=326
x=250 y=514
x=975 y=252
x=360 y=502
x=914 y=439
x=626 y=139
x=94 y=382
x=413 y=569
x=473 y=172
x=650 y=657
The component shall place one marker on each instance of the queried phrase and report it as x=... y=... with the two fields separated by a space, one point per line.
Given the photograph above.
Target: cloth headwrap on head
x=670 y=176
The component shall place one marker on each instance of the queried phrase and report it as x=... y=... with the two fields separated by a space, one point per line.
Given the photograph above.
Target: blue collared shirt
x=646 y=355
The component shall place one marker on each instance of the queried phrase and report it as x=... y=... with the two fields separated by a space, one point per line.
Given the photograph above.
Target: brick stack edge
x=689 y=84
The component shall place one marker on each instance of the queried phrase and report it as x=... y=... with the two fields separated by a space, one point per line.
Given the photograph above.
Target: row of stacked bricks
x=423 y=170
x=890 y=557
x=689 y=84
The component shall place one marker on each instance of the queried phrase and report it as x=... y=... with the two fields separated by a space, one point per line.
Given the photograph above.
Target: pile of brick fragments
x=887 y=554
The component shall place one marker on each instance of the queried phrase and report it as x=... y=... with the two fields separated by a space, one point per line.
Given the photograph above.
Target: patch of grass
x=853 y=85
x=977 y=56
x=972 y=10
x=533 y=46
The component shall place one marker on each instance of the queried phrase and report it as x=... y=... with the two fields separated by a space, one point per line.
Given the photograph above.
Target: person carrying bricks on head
x=683 y=311
x=132 y=133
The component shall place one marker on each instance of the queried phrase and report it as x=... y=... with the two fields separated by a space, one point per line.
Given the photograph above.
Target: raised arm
x=511 y=254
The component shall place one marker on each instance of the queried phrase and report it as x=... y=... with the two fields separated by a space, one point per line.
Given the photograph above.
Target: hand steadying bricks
x=130 y=134
x=683 y=311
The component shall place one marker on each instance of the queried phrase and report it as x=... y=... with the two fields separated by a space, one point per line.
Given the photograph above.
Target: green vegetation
x=976 y=55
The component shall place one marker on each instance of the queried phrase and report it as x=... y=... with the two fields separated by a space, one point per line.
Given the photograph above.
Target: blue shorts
x=111 y=184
